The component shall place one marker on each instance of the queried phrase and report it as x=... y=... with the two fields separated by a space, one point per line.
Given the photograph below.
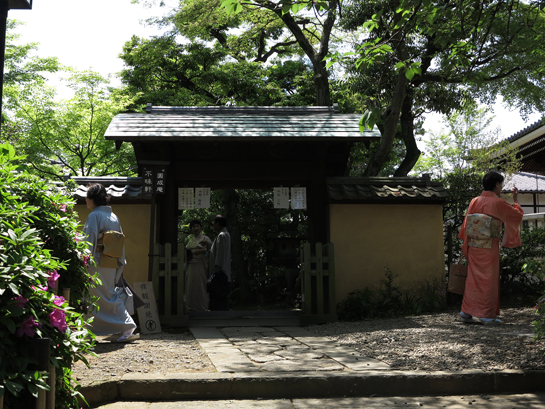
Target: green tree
x=422 y=56
x=459 y=159
x=67 y=137
x=163 y=72
x=258 y=30
x=21 y=66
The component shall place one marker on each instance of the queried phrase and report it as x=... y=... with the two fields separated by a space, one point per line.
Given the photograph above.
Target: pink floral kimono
x=482 y=291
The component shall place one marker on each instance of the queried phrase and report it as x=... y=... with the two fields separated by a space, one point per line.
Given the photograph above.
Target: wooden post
x=66 y=294
x=329 y=249
x=39 y=349
x=50 y=394
x=181 y=302
x=155 y=276
x=151 y=262
x=319 y=280
x=306 y=283
x=168 y=279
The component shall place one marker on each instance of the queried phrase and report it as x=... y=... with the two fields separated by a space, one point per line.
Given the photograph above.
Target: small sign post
x=147 y=314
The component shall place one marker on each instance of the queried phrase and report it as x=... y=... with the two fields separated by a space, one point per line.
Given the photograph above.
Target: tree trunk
x=321 y=80
x=390 y=127
x=391 y=116
x=321 y=83
x=407 y=132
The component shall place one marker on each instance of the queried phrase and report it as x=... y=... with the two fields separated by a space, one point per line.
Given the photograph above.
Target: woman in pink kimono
x=482 y=291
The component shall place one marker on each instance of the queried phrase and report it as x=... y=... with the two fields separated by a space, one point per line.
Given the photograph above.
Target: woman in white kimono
x=112 y=316
x=197 y=269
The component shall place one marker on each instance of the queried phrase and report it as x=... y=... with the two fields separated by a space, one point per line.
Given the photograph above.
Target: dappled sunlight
x=440 y=342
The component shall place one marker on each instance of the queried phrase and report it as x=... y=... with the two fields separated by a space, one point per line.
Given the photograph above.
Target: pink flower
x=52 y=280
x=57 y=319
x=27 y=328
x=58 y=300
x=20 y=301
x=62 y=208
x=44 y=288
x=85 y=260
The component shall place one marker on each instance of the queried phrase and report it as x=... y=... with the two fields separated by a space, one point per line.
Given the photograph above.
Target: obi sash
x=110 y=245
x=481 y=229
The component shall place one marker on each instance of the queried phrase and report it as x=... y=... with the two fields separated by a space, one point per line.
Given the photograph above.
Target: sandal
x=490 y=321
x=128 y=338
x=468 y=319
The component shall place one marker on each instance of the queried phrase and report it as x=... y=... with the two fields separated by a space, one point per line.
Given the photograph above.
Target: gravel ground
x=440 y=342
x=428 y=342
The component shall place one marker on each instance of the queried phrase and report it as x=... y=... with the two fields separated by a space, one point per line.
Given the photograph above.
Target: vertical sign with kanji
x=147 y=314
x=281 y=198
x=147 y=185
x=160 y=176
x=202 y=198
x=154 y=180
x=298 y=197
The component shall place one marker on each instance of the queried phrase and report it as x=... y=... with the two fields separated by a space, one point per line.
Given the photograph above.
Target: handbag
x=127 y=296
x=457 y=276
x=131 y=300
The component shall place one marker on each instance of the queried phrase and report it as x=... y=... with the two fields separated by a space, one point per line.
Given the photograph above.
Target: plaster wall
x=528 y=199
x=135 y=222
x=406 y=239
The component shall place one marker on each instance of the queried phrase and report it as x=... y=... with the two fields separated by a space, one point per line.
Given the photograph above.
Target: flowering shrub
x=41 y=254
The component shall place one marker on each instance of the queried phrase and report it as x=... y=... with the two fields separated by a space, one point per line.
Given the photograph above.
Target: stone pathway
x=280 y=349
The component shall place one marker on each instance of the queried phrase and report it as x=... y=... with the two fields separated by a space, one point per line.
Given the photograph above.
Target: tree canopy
x=423 y=56
x=67 y=136
x=162 y=71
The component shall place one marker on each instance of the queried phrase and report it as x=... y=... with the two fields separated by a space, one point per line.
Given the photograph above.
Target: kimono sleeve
x=91 y=231
x=512 y=217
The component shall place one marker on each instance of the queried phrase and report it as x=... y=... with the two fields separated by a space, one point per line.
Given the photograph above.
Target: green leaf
x=13 y=287
x=13 y=388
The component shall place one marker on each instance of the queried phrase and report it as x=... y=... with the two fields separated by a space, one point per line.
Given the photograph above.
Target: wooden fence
x=318 y=284
x=169 y=284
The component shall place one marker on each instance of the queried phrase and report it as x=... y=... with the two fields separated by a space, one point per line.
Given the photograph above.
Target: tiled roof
x=525 y=182
x=203 y=124
x=386 y=190
x=118 y=187
x=530 y=128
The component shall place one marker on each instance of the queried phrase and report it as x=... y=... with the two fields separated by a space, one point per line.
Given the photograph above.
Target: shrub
x=41 y=252
x=390 y=301
x=521 y=266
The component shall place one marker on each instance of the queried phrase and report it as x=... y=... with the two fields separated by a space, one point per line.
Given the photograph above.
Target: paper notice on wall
x=281 y=198
x=186 y=198
x=298 y=197
x=202 y=198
